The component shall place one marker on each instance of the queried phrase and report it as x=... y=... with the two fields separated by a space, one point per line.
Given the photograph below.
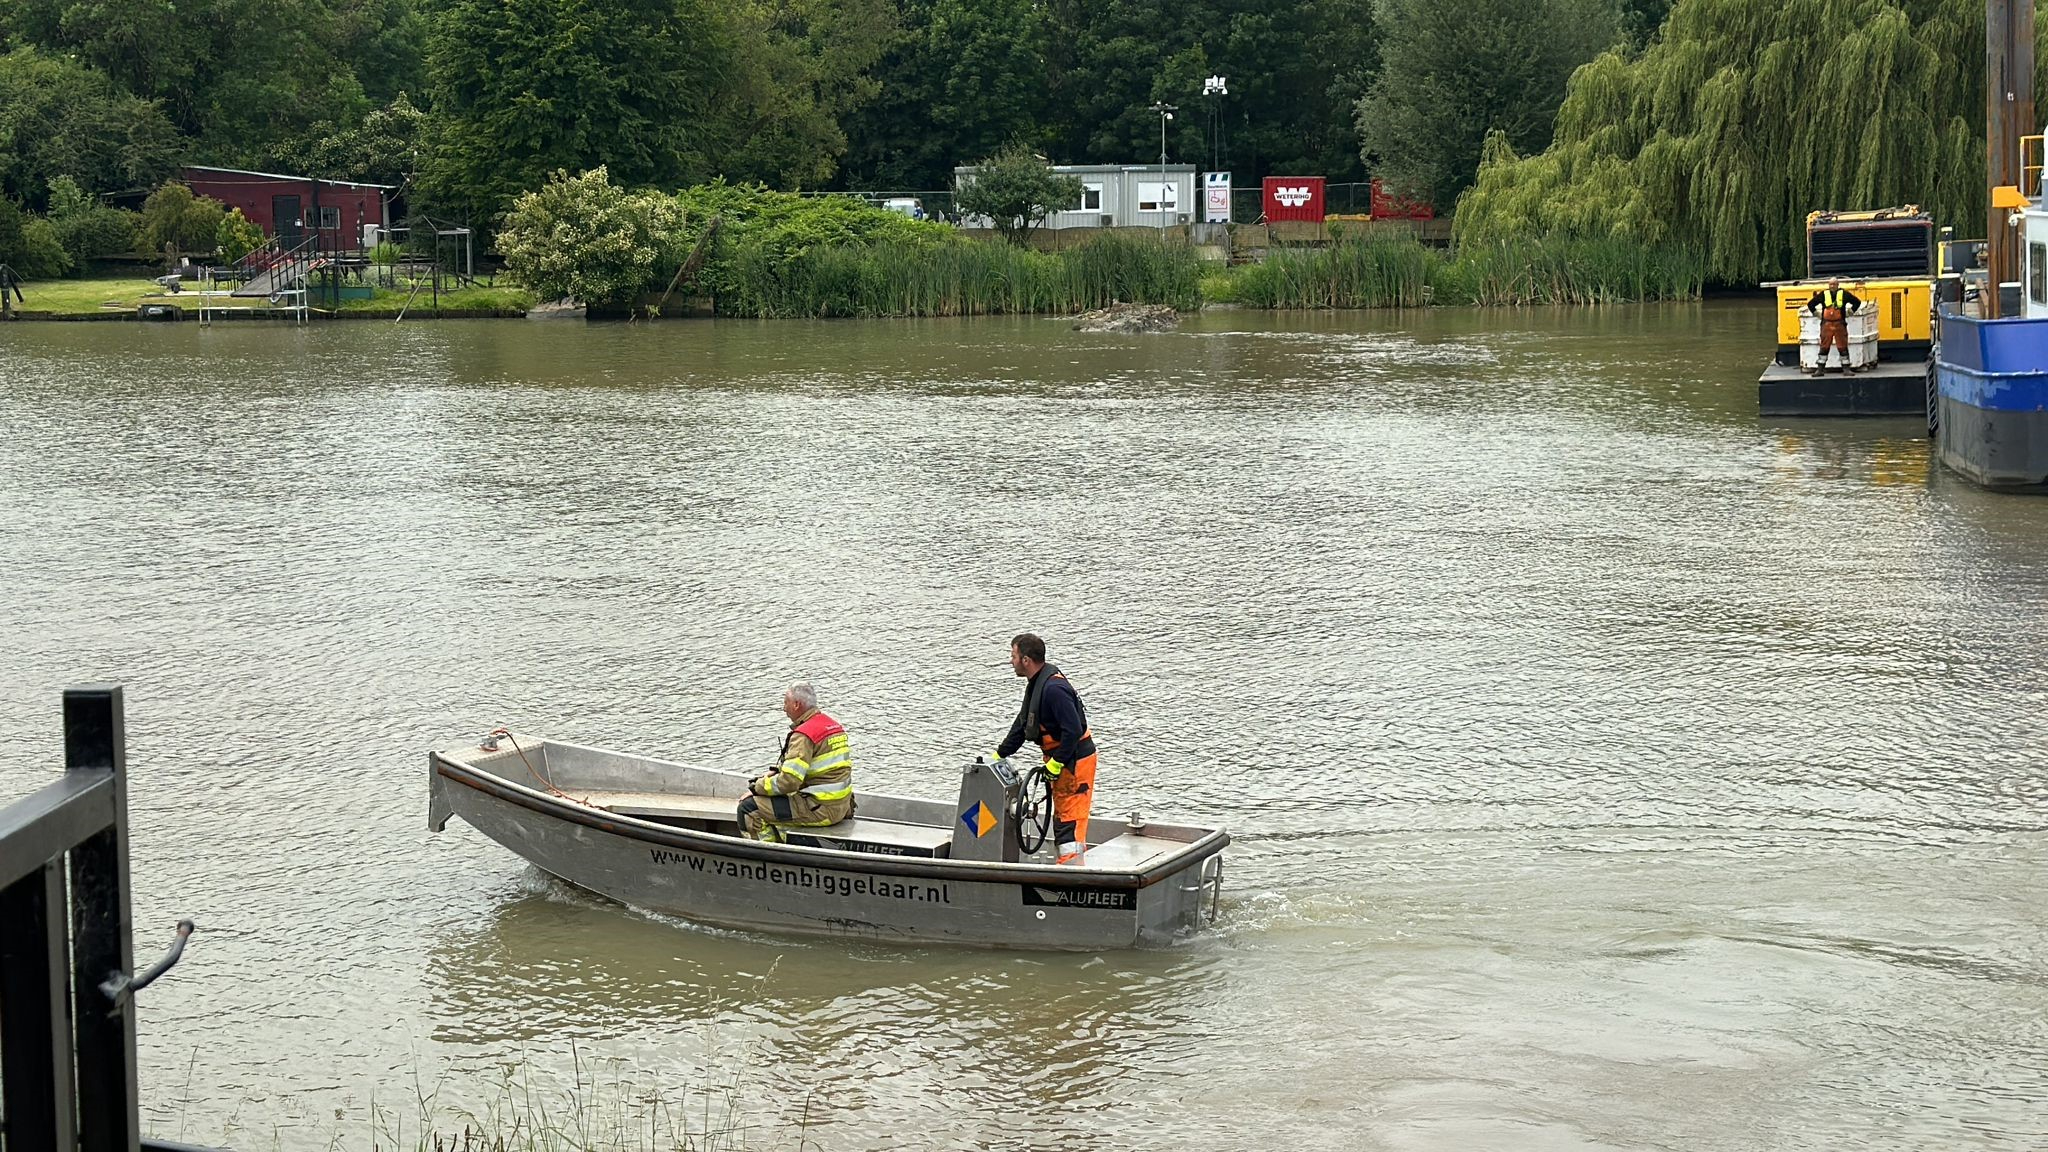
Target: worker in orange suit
x=1053 y=718
x=1834 y=303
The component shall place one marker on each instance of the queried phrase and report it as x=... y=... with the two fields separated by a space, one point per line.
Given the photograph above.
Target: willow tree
x=1746 y=115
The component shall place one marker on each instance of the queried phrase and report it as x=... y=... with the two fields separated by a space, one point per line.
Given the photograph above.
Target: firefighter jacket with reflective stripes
x=1052 y=718
x=815 y=761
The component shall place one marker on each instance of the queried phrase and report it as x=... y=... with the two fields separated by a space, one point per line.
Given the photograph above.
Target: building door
x=287 y=221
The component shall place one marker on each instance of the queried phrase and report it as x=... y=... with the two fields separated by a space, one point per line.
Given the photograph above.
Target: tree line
x=468 y=103
x=1713 y=126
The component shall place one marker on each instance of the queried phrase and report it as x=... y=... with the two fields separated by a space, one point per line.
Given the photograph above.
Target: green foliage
x=236 y=236
x=1389 y=268
x=793 y=72
x=781 y=254
x=42 y=251
x=10 y=232
x=386 y=253
x=960 y=277
x=1295 y=70
x=97 y=233
x=1640 y=19
x=385 y=41
x=586 y=238
x=1016 y=190
x=1556 y=270
x=67 y=198
x=478 y=100
x=29 y=245
x=1735 y=123
x=59 y=118
x=381 y=149
x=1076 y=81
x=789 y=224
x=173 y=215
x=1219 y=286
x=234 y=75
x=1452 y=73
x=965 y=78
x=531 y=87
x=773 y=229
x=86 y=229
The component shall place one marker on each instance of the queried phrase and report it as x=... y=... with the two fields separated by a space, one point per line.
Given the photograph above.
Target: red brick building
x=292 y=206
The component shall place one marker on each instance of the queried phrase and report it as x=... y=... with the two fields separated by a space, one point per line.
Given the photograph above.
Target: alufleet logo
x=1293 y=196
x=1039 y=896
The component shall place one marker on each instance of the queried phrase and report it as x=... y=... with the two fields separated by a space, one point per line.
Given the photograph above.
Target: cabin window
x=1157 y=197
x=330 y=217
x=1091 y=198
x=2037 y=272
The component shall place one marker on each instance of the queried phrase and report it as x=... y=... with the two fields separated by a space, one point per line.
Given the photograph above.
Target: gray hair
x=804 y=694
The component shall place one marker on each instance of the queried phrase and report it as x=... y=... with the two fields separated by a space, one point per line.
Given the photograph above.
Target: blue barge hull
x=1989 y=410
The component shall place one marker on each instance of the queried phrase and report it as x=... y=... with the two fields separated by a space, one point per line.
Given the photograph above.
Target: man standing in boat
x=1834 y=303
x=812 y=786
x=1053 y=718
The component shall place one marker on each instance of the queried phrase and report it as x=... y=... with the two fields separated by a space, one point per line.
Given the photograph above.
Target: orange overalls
x=1834 y=327
x=1052 y=709
x=1073 y=792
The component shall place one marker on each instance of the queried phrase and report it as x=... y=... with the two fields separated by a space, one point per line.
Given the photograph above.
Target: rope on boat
x=544 y=781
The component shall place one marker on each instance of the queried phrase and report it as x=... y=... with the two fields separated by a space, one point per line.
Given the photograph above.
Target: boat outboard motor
x=982 y=827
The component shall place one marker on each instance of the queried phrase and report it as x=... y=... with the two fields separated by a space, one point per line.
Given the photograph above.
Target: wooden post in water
x=2009 y=115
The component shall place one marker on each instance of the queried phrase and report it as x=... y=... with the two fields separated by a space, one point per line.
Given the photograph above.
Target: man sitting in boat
x=1834 y=303
x=812 y=787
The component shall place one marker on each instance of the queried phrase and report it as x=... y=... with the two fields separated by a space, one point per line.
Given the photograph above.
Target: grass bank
x=79 y=297
x=483 y=299
x=117 y=297
x=1392 y=269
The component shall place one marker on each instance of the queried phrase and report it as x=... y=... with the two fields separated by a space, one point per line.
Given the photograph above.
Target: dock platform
x=1886 y=388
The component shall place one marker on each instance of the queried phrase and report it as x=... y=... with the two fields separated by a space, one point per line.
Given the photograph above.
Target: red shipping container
x=1294 y=198
x=1389 y=207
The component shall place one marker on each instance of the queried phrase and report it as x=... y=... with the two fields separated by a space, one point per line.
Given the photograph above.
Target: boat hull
x=1990 y=417
x=736 y=883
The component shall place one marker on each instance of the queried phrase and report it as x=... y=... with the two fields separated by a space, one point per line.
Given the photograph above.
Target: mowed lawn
x=126 y=293
x=120 y=294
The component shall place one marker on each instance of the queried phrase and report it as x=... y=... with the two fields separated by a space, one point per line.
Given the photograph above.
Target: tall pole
x=2009 y=115
x=1166 y=112
x=1214 y=89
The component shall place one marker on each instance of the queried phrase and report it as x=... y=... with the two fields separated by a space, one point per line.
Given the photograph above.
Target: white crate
x=1862 y=339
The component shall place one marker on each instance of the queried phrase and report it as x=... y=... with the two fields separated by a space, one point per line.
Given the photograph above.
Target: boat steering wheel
x=1033 y=810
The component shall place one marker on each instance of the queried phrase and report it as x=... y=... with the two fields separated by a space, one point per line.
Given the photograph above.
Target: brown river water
x=1607 y=769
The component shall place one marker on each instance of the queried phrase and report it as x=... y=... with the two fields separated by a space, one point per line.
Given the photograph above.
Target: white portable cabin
x=1117 y=196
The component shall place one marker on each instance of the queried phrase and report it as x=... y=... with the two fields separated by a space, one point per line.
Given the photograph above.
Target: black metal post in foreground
x=67 y=1009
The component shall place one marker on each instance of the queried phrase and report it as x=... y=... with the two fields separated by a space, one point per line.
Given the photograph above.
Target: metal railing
x=285 y=264
x=67 y=992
